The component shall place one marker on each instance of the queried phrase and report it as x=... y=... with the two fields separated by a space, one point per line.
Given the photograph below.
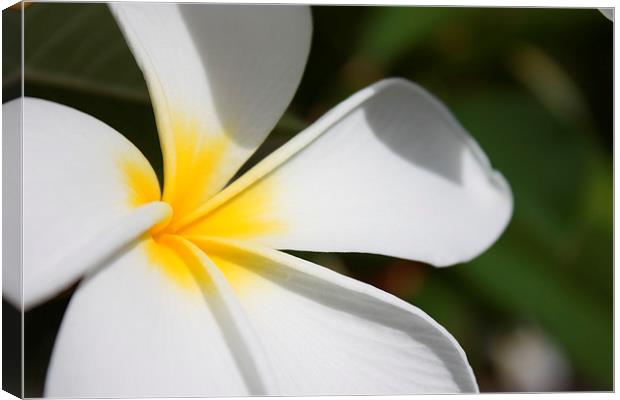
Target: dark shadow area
x=417 y=129
x=11 y=349
x=11 y=54
x=41 y=325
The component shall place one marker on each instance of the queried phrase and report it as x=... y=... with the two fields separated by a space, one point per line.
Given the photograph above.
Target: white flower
x=184 y=293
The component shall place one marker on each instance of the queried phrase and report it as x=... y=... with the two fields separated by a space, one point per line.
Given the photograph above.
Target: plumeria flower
x=185 y=292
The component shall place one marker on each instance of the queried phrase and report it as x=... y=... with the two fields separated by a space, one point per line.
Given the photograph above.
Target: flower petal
x=148 y=325
x=329 y=334
x=12 y=202
x=388 y=171
x=220 y=76
x=87 y=191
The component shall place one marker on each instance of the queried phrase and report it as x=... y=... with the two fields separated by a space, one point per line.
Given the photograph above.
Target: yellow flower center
x=191 y=184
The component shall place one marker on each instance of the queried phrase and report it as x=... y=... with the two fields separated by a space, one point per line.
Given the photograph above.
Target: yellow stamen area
x=193 y=160
x=160 y=253
x=249 y=214
x=237 y=265
x=143 y=185
x=142 y=182
x=191 y=164
x=179 y=262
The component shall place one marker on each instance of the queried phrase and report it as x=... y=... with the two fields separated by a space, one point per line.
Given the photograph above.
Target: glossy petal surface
x=388 y=171
x=220 y=76
x=328 y=334
x=131 y=330
x=83 y=184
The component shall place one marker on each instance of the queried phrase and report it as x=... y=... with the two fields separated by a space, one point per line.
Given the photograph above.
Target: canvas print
x=211 y=200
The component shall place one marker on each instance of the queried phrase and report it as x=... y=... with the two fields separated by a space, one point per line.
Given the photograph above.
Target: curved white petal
x=388 y=171
x=329 y=334
x=82 y=182
x=93 y=252
x=220 y=76
x=12 y=202
x=161 y=320
x=253 y=361
x=146 y=326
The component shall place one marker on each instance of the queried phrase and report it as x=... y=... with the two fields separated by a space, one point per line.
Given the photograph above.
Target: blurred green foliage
x=533 y=86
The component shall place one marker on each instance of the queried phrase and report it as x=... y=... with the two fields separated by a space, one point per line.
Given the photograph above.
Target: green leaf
x=542 y=159
x=11 y=46
x=390 y=31
x=554 y=264
x=514 y=277
x=80 y=47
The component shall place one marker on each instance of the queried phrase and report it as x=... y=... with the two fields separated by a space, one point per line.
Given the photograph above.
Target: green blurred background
x=533 y=86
